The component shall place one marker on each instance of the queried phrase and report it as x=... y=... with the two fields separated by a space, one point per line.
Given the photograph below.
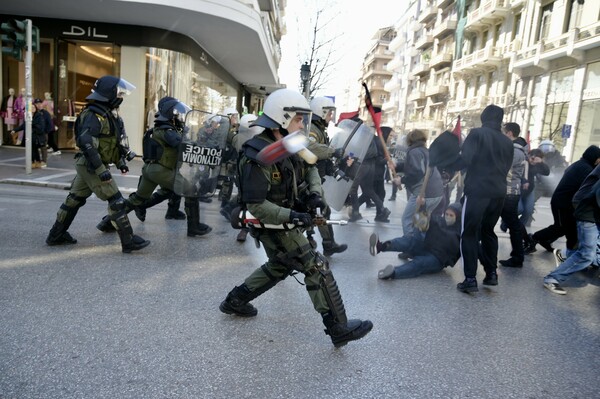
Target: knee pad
x=73 y=202
x=117 y=203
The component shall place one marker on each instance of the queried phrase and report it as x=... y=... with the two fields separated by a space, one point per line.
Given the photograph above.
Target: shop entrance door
x=79 y=64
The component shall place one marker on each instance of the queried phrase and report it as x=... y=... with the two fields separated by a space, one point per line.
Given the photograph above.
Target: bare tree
x=321 y=55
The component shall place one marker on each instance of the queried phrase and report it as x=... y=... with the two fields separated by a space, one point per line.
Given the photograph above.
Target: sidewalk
x=60 y=171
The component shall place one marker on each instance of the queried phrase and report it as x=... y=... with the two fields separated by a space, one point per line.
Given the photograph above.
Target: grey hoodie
x=517 y=172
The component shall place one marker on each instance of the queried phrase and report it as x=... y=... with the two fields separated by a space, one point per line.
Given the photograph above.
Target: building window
x=574 y=12
x=516 y=32
x=545 y=18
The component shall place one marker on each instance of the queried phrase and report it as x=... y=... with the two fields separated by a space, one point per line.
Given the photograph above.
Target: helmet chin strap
x=284 y=132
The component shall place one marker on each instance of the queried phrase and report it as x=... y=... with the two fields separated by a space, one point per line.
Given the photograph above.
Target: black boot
x=383 y=216
x=173 y=211
x=333 y=248
x=194 y=227
x=241 y=237
x=342 y=333
x=140 y=209
x=226 y=208
x=59 y=235
x=237 y=302
x=129 y=241
x=105 y=225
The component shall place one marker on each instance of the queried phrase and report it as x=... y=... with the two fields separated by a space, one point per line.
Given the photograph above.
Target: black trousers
x=479 y=217
x=510 y=216
x=564 y=225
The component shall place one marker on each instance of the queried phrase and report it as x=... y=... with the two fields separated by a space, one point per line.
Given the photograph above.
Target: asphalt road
x=87 y=321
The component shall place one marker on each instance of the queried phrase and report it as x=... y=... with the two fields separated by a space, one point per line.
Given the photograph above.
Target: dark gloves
x=105 y=176
x=301 y=218
x=338 y=153
x=315 y=201
x=124 y=168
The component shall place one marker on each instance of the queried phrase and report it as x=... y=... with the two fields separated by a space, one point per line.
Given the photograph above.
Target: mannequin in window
x=48 y=105
x=7 y=111
x=20 y=114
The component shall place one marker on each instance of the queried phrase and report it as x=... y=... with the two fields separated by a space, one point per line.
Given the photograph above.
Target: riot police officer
x=281 y=193
x=227 y=174
x=99 y=135
x=160 y=160
x=323 y=108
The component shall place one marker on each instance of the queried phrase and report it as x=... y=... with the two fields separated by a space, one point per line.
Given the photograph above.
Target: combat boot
x=59 y=235
x=237 y=302
x=129 y=241
x=173 y=211
x=194 y=227
x=342 y=333
x=241 y=237
x=333 y=248
x=105 y=225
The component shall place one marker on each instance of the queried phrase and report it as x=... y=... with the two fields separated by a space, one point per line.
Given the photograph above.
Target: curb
x=60 y=186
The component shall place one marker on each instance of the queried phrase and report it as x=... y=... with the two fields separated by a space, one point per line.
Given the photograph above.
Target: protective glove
x=315 y=201
x=338 y=153
x=124 y=168
x=301 y=218
x=105 y=176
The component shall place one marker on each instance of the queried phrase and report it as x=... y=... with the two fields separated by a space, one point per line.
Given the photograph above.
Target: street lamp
x=305 y=76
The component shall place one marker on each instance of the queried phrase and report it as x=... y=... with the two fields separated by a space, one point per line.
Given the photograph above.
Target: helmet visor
x=124 y=88
x=180 y=109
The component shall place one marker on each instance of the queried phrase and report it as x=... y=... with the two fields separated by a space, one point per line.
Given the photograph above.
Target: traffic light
x=13 y=38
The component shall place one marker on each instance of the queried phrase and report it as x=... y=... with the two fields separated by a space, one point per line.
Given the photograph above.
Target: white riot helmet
x=547 y=146
x=321 y=106
x=248 y=120
x=281 y=107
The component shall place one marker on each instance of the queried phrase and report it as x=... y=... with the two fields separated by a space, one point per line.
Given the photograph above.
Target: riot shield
x=354 y=138
x=200 y=153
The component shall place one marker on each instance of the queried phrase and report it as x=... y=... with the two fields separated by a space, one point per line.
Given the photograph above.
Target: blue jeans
x=423 y=261
x=408 y=227
x=526 y=205
x=587 y=234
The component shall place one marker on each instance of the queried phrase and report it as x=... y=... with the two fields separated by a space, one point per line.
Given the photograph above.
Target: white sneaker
x=558 y=257
x=43 y=165
x=555 y=287
x=57 y=152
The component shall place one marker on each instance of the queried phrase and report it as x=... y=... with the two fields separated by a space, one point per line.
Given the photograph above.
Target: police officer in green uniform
x=323 y=108
x=281 y=193
x=99 y=135
x=227 y=174
x=161 y=145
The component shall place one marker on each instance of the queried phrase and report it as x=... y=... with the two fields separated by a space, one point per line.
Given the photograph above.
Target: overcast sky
x=355 y=22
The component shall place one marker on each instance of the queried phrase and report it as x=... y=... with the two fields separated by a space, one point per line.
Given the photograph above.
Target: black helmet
x=110 y=90
x=172 y=110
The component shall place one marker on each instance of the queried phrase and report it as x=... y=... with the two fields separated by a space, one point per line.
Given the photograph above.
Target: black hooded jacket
x=443 y=241
x=487 y=155
x=573 y=177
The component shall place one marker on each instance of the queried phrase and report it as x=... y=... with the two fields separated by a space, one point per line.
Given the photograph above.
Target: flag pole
x=388 y=158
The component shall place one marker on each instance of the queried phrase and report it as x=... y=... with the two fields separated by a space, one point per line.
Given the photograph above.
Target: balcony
x=509 y=49
x=517 y=3
x=443 y=3
x=397 y=42
x=394 y=64
x=436 y=90
x=390 y=106
x=440 y=60
x=424 y=41
x=486 y=59
x=427 y=14
x=421 y=69
x=473 y=104
x=500 y=100
x=417 y=95
x=376 y=71
x=490 y=12
x=392 y=84
x=570 y=45
x=444 y=28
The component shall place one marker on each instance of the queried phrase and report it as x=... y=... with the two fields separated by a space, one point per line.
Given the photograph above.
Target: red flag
x=374 y=111
x=457 y=131
x=347 y=115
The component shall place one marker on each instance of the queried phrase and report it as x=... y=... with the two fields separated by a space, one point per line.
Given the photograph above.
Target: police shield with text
x=99 y=136
x=161 y=148
x=287 y=191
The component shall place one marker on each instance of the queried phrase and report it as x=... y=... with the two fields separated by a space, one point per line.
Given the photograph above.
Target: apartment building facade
x=538 y=59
